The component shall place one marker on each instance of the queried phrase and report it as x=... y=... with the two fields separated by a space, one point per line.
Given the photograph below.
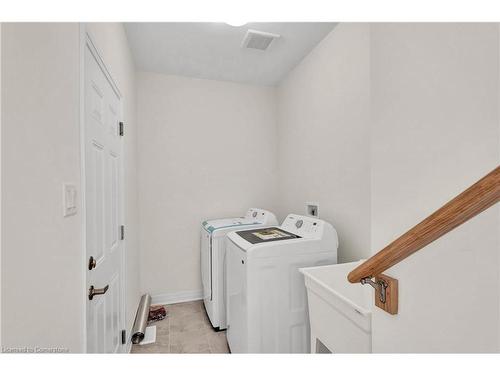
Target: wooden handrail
x=480 y=196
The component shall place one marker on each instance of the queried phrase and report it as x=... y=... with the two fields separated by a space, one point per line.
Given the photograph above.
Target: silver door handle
x=95 y=292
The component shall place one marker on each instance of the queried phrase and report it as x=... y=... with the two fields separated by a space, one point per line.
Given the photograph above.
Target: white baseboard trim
x=176 y=297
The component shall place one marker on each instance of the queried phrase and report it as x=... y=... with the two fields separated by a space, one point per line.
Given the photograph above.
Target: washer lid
x=264 y=235
x=212 y=225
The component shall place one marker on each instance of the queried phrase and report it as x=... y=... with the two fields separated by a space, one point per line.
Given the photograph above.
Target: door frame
x=88 y=41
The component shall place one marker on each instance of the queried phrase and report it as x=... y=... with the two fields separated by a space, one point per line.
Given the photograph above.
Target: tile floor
x=186 y=329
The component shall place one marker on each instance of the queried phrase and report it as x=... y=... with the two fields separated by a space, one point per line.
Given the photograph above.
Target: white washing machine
x=213 y=254
x=266 y=296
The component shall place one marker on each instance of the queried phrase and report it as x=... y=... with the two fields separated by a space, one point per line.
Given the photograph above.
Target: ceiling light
x=236 y=23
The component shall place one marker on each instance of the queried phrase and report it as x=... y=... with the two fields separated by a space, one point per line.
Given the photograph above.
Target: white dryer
x=266 y=297
x=213 y=254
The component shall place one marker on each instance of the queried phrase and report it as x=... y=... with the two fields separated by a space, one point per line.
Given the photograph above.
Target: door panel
x=112 y=226
x=95 y=200
x=103 y=197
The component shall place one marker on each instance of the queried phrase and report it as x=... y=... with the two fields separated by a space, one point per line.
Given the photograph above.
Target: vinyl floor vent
x=258 y=39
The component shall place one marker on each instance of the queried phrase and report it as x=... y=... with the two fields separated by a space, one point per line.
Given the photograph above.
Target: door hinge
x=124 y=337
x=122 y=232
x=121 y=129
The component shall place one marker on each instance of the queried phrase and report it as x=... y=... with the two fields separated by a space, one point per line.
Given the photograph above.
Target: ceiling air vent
x=258 y=39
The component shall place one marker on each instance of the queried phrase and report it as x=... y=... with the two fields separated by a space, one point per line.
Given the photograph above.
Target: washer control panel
x=259 y=215
x=304 y=226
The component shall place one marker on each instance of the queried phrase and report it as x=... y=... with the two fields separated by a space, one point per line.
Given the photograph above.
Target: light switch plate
x=69 y=199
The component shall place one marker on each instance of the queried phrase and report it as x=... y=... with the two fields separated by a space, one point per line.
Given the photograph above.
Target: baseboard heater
x=141 y=319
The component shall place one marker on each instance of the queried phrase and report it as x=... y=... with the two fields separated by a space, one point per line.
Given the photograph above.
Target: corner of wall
x=322 y=115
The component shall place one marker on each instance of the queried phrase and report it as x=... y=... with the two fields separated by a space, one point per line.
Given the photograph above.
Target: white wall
x=435 y=131
x=498 y=209
x=323 y=117
x=420 y=104
x=42 y=273
x=113 y=45
x=0 y=184
x=207 y=149
x=42 y=259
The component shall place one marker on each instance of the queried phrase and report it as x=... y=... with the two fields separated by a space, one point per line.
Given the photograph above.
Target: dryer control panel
x=303 y=226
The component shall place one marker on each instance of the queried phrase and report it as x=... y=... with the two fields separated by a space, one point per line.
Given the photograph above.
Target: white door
x=104 y=209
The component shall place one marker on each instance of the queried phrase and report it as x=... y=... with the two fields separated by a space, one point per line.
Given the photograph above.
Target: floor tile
x=186 y=329
x=151 y=348
x=180 y=309
x=217 y=342
x=190 y=342
x=162 y=327
x=188 y=322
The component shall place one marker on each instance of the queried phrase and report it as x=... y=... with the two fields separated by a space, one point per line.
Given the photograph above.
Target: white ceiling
x=214 y=50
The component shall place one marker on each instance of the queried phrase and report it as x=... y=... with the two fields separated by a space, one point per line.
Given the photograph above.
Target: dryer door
x=206 y=264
